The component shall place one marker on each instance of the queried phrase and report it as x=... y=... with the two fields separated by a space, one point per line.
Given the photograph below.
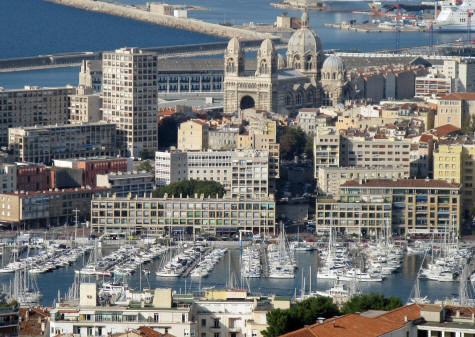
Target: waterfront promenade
x=137 y=13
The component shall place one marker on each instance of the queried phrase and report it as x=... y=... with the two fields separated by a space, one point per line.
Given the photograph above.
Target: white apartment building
x=8 y=180
x=122 y=183
x=243 y=173
x=32 y=106
x=326 y=148
x=129 y=97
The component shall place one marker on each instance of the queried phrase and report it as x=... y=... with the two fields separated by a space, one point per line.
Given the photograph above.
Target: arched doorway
x=247 y=102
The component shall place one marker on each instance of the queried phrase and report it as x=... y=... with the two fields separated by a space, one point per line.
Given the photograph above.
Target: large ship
x=456 y=17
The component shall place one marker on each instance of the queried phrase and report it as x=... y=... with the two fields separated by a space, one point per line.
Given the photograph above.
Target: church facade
x=284 y=86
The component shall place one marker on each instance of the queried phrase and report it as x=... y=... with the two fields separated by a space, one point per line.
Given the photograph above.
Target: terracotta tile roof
x=148 y=332
x=423 y=183
x=457 y=96
x=445 y=130
x=399 y=315
x=352 y=325
x=425 y=138
x=465 y=312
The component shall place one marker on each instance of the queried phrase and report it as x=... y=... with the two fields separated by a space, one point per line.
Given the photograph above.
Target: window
x=216 y=323
x=156 y=317
x=203 y=322
x=216 y=334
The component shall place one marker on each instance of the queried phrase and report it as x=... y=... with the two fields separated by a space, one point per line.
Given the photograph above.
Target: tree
x=373 y=301
x=146 y=166
x=147 y=154
x=292 y=143
x=167 y=133
x=309 y=147
x=190 y=188
x=304 y=313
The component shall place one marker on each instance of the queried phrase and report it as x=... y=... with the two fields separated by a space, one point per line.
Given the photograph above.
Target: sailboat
x=25 y=289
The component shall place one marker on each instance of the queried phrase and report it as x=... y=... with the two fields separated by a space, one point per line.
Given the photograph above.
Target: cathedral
x=284 y=86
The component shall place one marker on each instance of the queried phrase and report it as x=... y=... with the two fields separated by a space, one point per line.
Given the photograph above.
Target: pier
x=142 y=14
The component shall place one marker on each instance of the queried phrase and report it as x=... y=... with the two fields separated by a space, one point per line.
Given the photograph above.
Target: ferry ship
x=456 y=18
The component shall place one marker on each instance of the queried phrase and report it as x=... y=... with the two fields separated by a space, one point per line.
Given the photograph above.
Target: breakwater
x=137 y=13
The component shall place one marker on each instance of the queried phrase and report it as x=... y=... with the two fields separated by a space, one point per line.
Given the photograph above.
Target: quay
x=141 y=14
x=75 y=59
x=374 y=28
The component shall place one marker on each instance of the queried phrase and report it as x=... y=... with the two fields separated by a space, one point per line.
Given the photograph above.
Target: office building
x=43 y=144
x=191 y=215
x=32 y=106
x=125 y=183
x=129 y=97
x=405 y=206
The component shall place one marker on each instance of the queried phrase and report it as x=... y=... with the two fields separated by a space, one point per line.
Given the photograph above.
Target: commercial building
x=406 y=206
x=8 y=178
x=454 y=162
x=91 y=167
x=331 y=178
x=43 y=144
x=85 y=106
x=46 y=208
x=125 y=183
x=129 y=97
x=32 y=106
x=243 y=174
x=192 y=215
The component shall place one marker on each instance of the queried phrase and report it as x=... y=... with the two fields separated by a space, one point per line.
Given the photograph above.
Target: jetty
x=143 y=14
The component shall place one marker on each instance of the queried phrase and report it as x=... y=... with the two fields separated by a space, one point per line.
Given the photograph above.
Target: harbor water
x=227 y=272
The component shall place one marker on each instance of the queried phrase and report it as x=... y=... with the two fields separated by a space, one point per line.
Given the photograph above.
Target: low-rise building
x=8 y=178
x=331 y=178
x=192 y=215
x=125 y=183
x=46 y=208
x=43 y=144
x=406 y=206
x=193 y=135
x=456 y=109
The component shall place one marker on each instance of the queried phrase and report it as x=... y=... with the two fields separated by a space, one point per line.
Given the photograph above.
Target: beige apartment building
x=454 y=162
x=193 y=135
x=85 y=106
x=43 y=144
x=406 y=207
x=331 y=178
x=192 y=215
x=44 y=208
x=130 y=97
x=32 y=106
x=433 y=86
x=455 y=109
x=243 y=174
x=326 y=148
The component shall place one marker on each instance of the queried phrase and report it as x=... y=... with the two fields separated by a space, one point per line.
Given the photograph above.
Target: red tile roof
x=425 y=138
x=457 y=96
x=399 y=315
x=148 y=332
x=423 y=183
x=445 y=130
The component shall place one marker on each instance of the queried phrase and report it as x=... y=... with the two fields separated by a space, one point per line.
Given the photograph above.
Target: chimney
x=405 y=318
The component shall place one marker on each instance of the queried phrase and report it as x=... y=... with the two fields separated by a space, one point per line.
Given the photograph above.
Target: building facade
x=32 y=177
x=192 y=215
x=129 y=97
x=43 y=144
x=32 y=106
x=125 y=183
x=406 y=207
x=8 y=178
x=193 y=135
x=85 y=106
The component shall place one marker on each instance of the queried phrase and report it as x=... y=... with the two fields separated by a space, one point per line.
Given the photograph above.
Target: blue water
x=43 y=78
x=399 y=284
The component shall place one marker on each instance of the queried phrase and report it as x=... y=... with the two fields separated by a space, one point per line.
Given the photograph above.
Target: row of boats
x=181 y=262
x=208 y=262
x=251 y=266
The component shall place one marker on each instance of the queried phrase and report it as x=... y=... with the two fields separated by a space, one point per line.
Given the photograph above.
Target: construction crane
x=398 y=31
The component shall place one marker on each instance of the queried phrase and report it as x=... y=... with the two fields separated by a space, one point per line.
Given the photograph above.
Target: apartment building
x=326 y=148
x=32 y=106
x=433 y=86
x=43 y=144
x=8 y=178
x=455 y=109
x=224 y=138
x=129 y=97
x=166 y=314
x=462 y=71
x=331 y=178
x=124 y=183
x=454 y=162
x=46 y=208
x=308 y=119
x=9 y=320
x=85 y=106
x=193 y=135
x=192 y=215
x=243 y=174
x=91 y=167
x=32 y=177
x=405 y=206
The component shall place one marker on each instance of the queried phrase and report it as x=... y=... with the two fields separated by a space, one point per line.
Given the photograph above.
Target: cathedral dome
x=304 y=40
x=267 y=47
x=234 y=46
x=333 y=64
